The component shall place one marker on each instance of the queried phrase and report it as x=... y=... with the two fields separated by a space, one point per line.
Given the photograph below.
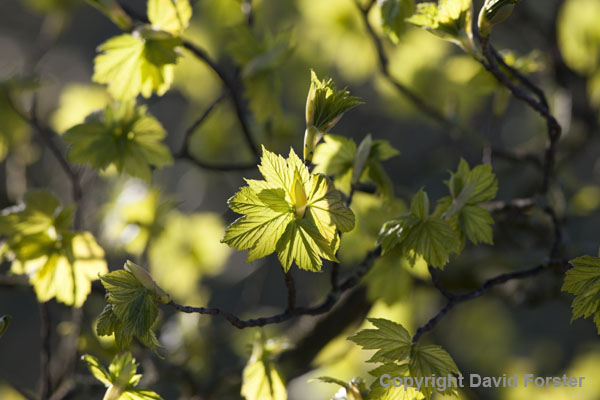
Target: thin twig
x=453 y=300
x=383 y=64
x=291 y=289
x=326 y=305
x=45 y=379
x=192 y=128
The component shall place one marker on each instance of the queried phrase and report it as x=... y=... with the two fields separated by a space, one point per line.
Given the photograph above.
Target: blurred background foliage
x=174 y=223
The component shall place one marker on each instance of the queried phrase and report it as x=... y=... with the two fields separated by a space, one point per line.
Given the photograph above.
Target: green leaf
x=393 y=16
x=261 y=379
x=392 y=341
x=468 y=189
x=354 y=390
x=583 y=280
x=379 y=392
x=579 y=36
x=401 y=358
x=60 y=263
x=426 y=361
x=293 y=212
x=4 y=323
x=337 y=156
x=121 y=378
x=448 y=19
x=171 y=16
x=140 y=62
x=419 y=234
x=133 y=305
x=335 y=381
x=124 y=136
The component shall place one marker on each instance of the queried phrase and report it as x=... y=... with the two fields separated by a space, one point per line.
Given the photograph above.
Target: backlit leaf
x=583 y=280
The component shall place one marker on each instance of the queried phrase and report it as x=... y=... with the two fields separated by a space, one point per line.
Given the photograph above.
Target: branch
x=383 y=64
x=234 y=89
x=540 y=106
x=326 y=305
x=45 y=381
x=291 y=289
x=453 y=299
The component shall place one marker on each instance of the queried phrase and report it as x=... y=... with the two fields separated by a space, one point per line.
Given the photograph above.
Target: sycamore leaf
x=583 y=280
x=402 y=358
x=468 y=189
x=338 y=156
x=379 y=392
x=124 y=136
x=4 y=323
x=448 y=19
x=171 y=16
x=133 y=310
x=140 y=62
x=120 y=379
x=60 y=263
x=261 y=379
x=419 y=234
x=393 y=16
x=293 y=212
x=391 y=340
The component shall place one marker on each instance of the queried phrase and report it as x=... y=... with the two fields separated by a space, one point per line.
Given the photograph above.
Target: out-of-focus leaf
x=60 y=263
x=171 y=16
x=121 y=378
x=140 y=62
x=124 y=136
x=261 y=379
x=393 y=16
x=579 y=35
x=76 y=102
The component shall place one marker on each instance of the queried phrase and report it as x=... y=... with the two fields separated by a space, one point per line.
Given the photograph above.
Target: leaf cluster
x=60 y=263
x=400 y=357
x=121 y=379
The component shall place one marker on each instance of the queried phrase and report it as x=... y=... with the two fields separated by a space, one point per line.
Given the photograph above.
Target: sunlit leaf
x=272 y=221
x=391 y=340
x=393 y=16
x=121 y=378
x=140 y=62
x=261 y=379
x=171 y=16
x=124 y=136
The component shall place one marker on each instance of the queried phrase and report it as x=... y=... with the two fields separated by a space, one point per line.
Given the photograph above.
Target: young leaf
x=171 y=16
x=60 y=263
x=583 y=280
x=468 y=189
x=448 y=19
x=419 y=234
x=140 y=62
x=390 y=339
x=393 y=16
x=337 y=156
x=4 y=323
x=261 y=380
x=121 y=378
x=325 y=105
x=379 y=392
x=133 y=310
x=402 y=358
x=292 y=211
x=124 y=136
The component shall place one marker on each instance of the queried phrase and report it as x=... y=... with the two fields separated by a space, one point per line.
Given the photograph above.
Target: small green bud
x=146 y=280
x=299 y=195
x=493 y=12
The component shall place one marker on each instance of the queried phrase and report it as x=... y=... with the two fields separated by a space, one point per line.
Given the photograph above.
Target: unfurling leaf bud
x=146 y=280
x=325 y=105
x=362 y=156
x=4 y=322
x=493 y=12
x=299 y=195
